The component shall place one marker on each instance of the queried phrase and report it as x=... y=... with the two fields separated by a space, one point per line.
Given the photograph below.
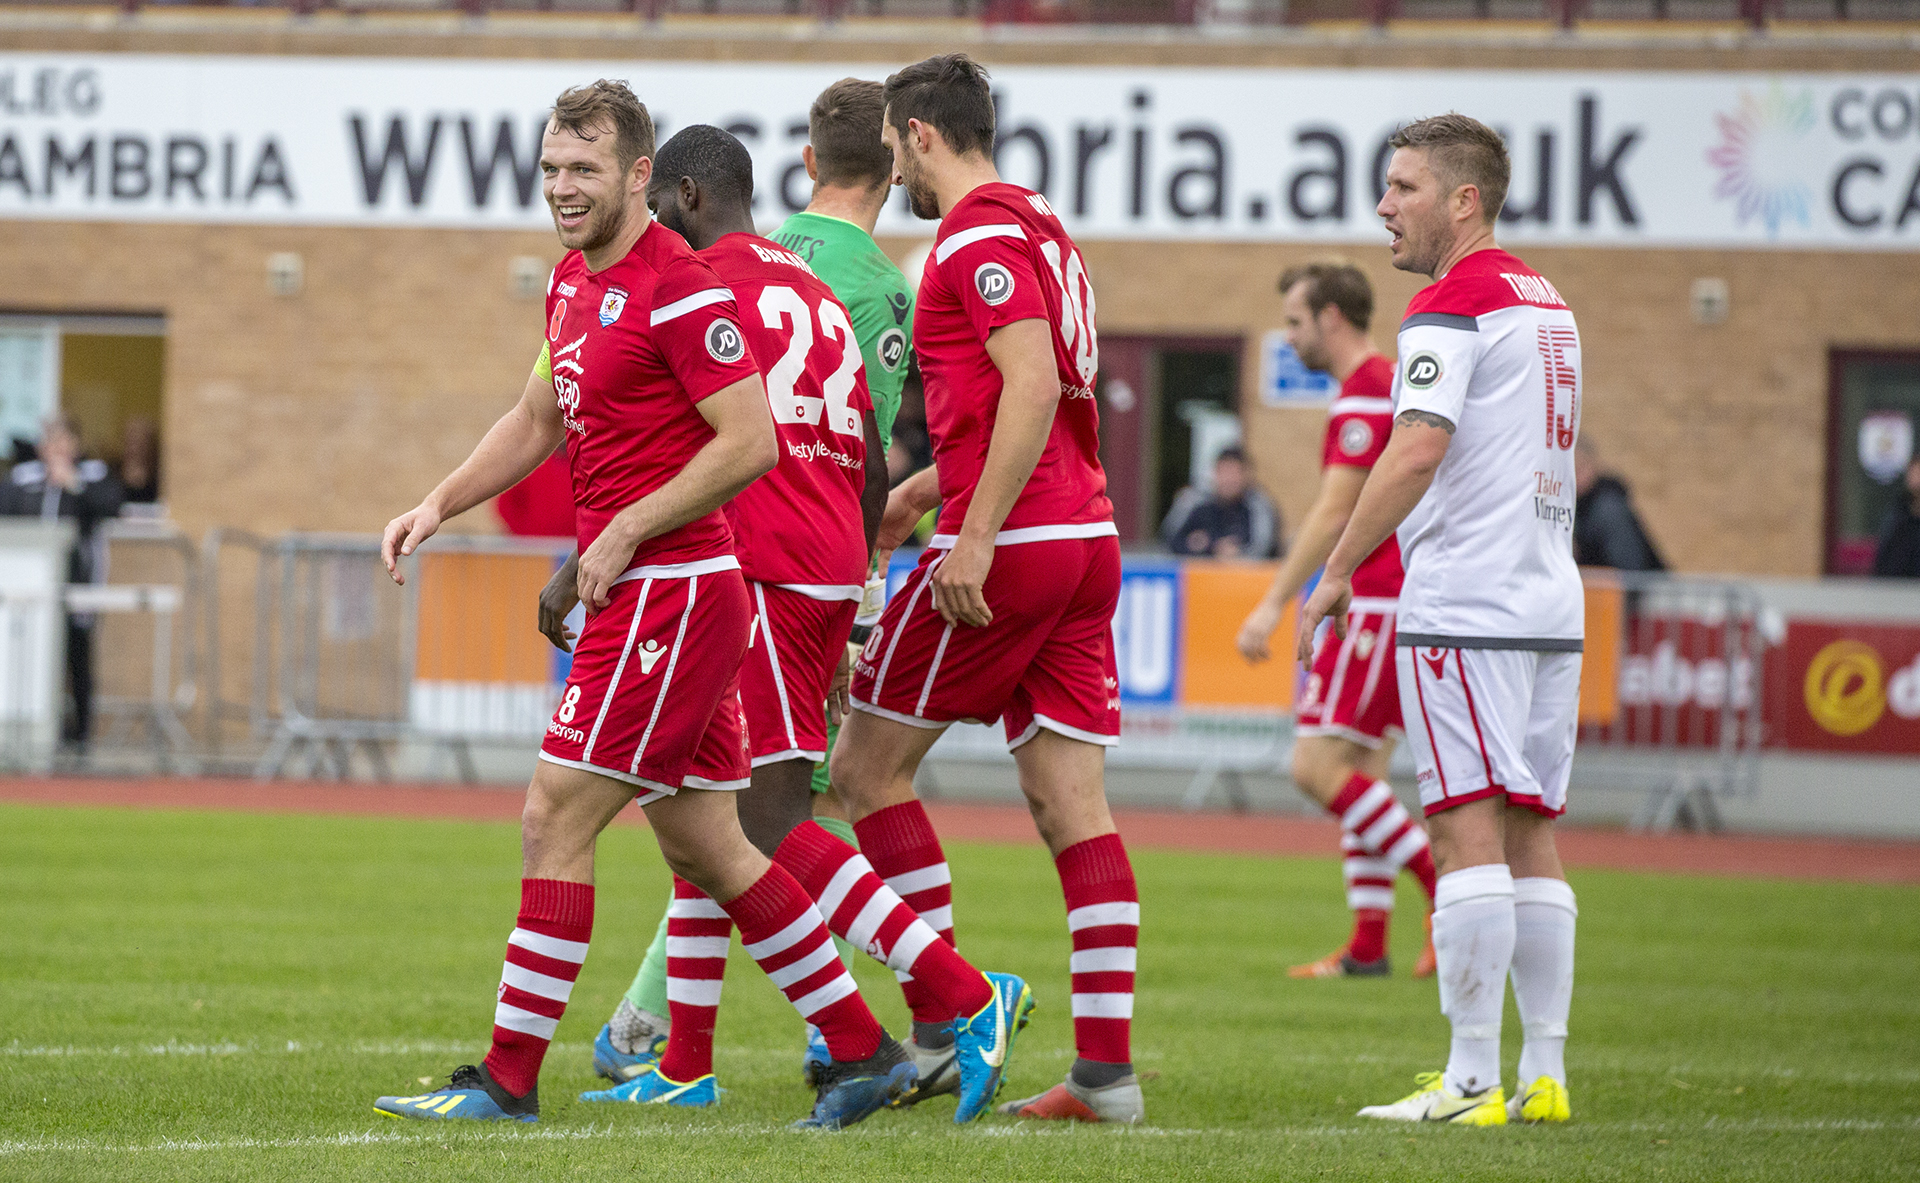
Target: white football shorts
x=1490 y=722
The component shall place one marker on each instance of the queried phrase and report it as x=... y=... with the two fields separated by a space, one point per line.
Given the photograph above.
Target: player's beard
x=921 y=198
x=604 y=225
x=1422 y=244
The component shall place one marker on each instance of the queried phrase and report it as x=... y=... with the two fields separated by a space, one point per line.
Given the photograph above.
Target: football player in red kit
x=1009 y=615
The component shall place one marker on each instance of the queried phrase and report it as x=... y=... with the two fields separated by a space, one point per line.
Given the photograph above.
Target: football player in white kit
x=1477 y=480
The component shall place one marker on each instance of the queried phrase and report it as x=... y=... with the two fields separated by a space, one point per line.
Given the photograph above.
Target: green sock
x=649 y=989
x=840 y=828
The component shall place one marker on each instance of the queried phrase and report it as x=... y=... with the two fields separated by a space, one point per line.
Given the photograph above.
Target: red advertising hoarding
x=1845 y=686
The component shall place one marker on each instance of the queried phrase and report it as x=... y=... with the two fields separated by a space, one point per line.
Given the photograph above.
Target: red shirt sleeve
x=696 y=328
x=993 y=274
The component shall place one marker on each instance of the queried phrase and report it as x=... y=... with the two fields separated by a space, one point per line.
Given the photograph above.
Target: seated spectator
x=61 y=484
x=1237 y=519
x=1898 y=554
x=1606 y=530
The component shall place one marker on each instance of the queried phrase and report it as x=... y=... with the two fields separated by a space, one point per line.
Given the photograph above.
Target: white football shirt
x=1493 y=349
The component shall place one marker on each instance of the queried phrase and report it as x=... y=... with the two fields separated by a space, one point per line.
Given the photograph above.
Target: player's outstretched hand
x=1329 y=601
x=557 y=599
x=405 y=534
x=603 y=563
x=958 y=583
x=1257 y=631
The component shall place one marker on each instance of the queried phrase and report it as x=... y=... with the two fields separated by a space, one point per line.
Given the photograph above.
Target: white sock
x=1473 y=941
x=1543 y=916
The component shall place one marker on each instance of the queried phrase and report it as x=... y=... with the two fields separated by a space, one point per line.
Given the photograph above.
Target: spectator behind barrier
x=140 y=460
x=60 y=484
x=1606 y=530
x=1237 y=519
x=1898 y=554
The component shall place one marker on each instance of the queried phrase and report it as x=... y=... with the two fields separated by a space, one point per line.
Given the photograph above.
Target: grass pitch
x=219 y=996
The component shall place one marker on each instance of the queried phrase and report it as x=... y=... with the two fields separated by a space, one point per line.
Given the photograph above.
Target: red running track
x=1853 y=860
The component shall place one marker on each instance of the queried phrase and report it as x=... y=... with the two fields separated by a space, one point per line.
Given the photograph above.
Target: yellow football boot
x=1543 y=1100
x=1434 y=1101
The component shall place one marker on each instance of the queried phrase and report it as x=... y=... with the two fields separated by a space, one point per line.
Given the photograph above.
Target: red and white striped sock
x=544 y=955
x=906 y=853
x=698 y=933
x=1103 y=915
x=1370 y=896
x=872 y=917
x=786 y=935
x=1369 y=811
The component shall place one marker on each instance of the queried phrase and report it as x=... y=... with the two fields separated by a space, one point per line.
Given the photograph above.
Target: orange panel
x=1600 y=667
x=479 y=616
x=1217 y=597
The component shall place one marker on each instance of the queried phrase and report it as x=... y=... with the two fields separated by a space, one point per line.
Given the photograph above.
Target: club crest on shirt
x=1423 y=370
x=893 y=349
x=1356 y=437
x=994 y=283
x=724 y=341
x=611 y=307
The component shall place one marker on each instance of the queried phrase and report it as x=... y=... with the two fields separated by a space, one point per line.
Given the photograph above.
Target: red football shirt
x=799 y=525
x=1001 y=256
x=633 y=349
x=1358 y=424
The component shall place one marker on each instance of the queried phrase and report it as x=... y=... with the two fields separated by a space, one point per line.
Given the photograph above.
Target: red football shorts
x=1353 y=691
x=796 y=644
x=1045 y=661
x=654 y=695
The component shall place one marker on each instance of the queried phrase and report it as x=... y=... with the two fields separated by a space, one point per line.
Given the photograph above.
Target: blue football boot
x=654 y=1088
x=851 y=1093
x=815 y=1057
x=983 y=1041
x=620 y=1067
x=471 y=1094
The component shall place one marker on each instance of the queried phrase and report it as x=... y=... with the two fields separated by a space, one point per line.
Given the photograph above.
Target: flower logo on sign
x=1757 y=157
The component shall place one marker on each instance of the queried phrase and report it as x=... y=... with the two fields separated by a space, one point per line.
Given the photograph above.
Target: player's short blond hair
x=1463 y=151
x=589 y=111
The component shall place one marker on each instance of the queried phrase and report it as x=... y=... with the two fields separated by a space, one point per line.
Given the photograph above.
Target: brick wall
x=338 y=407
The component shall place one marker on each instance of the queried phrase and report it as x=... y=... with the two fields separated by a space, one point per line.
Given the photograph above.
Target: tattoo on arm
x=1425 y=419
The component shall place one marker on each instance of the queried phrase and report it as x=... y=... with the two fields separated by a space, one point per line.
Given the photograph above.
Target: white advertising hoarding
x=1600 y=158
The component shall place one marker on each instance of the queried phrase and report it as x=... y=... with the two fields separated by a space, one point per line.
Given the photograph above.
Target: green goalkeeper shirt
x=874 y=291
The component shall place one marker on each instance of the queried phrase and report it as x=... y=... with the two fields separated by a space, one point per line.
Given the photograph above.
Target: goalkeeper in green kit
x=852 y=173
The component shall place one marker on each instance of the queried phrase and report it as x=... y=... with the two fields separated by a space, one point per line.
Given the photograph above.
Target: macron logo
x=649 y=655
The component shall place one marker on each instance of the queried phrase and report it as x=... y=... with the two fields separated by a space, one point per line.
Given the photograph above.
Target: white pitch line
x=584 y=1133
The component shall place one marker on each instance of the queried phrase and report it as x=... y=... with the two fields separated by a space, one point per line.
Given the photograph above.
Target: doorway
x=1167 y=407
x=1872 y=424
x=107 y=372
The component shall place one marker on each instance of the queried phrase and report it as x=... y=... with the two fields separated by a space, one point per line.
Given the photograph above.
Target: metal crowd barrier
x=298 y=653
x=1684 y=725
x=147 y=605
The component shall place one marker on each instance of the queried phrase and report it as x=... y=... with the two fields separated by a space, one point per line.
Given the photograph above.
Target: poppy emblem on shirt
x=559 y=320
x=1423 y=370
x=724 y=342
x=611 y=307
x=1356 y=437
x=893 y=349
x=994 y=283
